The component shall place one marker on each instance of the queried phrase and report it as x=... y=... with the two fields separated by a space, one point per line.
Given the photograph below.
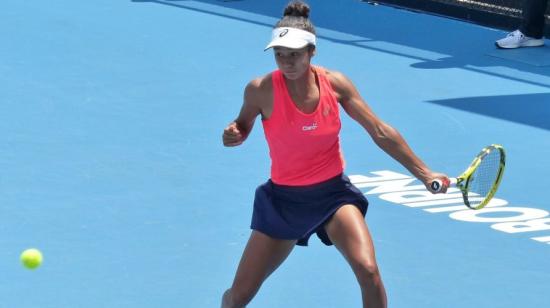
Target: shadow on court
x=528 y=109
x=451 y=46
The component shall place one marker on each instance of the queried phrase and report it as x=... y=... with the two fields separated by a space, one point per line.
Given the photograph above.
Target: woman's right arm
x=237 y=131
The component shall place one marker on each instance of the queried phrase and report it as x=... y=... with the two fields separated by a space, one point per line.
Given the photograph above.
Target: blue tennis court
x=111 y=160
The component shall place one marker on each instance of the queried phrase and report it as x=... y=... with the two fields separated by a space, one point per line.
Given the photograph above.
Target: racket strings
x=484 y=177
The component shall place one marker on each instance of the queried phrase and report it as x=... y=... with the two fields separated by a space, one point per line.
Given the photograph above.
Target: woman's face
x=293 y=62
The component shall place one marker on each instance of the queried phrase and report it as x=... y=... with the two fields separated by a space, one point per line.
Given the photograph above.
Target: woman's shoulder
x=259 y=92
x=333 y=76
x=261 y=85
x=337 y=79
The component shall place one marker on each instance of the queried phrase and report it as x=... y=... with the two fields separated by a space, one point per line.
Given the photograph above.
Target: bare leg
x=349 y=233
x=262 y=255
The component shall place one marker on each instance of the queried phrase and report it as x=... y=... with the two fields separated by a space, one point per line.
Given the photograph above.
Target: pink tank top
x=304 y=148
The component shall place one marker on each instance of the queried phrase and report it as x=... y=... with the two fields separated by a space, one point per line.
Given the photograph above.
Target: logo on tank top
x=306 y=128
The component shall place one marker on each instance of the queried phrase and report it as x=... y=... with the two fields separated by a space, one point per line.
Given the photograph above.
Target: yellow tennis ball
x=31 y=258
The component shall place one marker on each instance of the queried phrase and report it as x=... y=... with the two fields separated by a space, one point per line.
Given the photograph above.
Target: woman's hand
x=442 y=178
x=232 y=136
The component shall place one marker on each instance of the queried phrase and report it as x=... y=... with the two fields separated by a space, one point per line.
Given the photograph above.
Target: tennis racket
x=480 y=181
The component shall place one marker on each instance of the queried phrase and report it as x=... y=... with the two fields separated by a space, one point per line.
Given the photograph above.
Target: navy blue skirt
x=296 y=212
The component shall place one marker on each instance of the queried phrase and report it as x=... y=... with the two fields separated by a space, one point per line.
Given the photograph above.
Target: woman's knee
x=239 y=296
x=366 y=270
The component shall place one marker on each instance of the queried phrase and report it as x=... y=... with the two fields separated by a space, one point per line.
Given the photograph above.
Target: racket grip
x=437 y=185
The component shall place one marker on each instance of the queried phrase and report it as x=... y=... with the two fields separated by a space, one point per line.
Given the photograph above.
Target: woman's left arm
x=384 y=135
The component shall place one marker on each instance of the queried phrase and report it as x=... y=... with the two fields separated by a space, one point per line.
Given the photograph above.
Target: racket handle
x=437 y=185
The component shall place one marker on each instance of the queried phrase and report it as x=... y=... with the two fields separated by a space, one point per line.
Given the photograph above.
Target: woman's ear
x=312 y=50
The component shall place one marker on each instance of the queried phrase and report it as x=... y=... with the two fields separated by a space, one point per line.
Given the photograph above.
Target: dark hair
x=296 y=15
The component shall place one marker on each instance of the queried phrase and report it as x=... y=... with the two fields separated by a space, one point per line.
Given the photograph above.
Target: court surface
x=111 y=161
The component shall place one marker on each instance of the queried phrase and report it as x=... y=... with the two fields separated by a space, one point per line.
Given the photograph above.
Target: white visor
x=291 y=38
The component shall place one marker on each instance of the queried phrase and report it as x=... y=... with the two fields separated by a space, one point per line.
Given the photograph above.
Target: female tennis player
x=308 y=192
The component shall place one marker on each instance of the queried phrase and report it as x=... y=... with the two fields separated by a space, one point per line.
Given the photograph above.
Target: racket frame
x=463 y=180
